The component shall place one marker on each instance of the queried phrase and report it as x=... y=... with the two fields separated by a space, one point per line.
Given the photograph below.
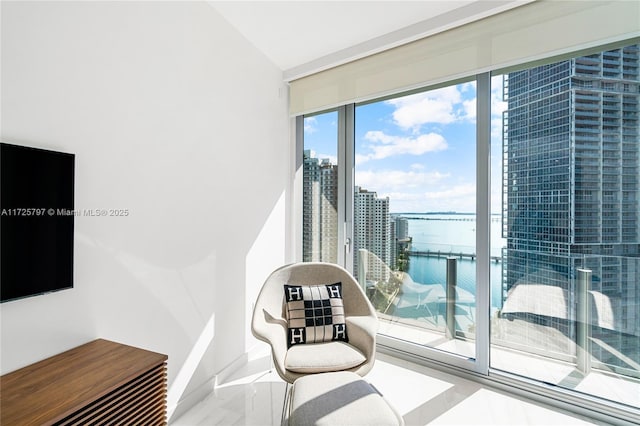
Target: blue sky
x=418 y=150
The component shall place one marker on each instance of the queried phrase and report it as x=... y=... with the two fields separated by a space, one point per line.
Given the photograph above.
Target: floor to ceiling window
x=543 y=284
x=414 y=215
x=569 y=311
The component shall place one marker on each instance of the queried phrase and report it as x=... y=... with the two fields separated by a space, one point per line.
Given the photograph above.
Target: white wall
x=175 y=117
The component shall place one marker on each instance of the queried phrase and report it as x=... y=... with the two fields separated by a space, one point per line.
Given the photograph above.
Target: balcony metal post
x=583 y=317
x=451 y=297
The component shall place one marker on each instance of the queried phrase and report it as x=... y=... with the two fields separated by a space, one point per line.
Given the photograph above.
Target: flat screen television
x=36 y=221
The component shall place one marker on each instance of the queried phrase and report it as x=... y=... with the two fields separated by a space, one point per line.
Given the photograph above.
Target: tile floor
x=254 y=396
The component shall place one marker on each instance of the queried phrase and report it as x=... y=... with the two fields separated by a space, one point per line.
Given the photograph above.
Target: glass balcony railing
x=579 y=316
x=581 y=312
x=440 y=306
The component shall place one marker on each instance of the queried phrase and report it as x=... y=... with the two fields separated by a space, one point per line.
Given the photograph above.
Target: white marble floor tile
x=254 y=396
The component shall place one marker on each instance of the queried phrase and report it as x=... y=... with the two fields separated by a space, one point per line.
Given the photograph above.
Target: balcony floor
x=598 y=383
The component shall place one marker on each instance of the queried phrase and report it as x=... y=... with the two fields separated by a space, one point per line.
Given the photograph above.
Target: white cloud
x=310 y=124
x=439 y=106
x=498 y=106
x=459 y=198
x=396 y=180
x=496 y=130
x=447 y=105
x=361 y=159
x=419 y=191
x=404 y=196
x=468 y=86
x=496 y=200
x=470 y=109
x=384 y=146
x=458 y=191
x=405 y=202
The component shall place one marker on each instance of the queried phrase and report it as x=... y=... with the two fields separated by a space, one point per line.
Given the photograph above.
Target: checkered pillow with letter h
x=315 y=313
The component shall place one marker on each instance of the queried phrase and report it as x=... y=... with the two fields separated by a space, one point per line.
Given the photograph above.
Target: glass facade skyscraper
x=571 y=199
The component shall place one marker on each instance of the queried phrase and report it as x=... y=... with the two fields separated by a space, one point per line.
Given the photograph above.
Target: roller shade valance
x=534 y=33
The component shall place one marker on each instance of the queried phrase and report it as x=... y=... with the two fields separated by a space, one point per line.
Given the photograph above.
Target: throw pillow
x=315 y=313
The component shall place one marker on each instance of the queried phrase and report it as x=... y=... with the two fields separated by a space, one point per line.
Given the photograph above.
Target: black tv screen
x=36 y=221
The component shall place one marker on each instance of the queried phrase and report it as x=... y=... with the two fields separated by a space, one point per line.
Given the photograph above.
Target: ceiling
x=302 y=37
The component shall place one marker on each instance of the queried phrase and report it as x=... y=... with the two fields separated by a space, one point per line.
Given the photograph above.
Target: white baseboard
x=207 y=388
x=192 y=399
x=235 y=365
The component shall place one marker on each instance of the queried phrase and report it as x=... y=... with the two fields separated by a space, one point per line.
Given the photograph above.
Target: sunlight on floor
x=254 y=396
x=599 y=383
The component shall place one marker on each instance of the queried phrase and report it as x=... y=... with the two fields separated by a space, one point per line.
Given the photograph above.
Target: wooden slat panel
x=141 y=401
x=141 y=411
x=100 y=380
x=119 y=398
x=115 y=399
x=112 y=408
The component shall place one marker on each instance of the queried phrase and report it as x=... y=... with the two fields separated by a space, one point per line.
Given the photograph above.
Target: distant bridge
x=449 y=219
x=440 y=253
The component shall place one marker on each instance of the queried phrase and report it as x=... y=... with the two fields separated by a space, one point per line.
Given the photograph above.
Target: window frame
x=478 y=368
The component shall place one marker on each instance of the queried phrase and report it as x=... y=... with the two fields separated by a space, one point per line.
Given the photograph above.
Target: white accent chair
x=269 y=324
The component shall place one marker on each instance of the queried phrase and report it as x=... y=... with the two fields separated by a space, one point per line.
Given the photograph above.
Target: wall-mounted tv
x=36 y=221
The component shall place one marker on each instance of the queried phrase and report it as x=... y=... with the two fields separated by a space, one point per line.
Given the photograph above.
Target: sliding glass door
x=320 y=189
x=568 y=310
x=415 y=215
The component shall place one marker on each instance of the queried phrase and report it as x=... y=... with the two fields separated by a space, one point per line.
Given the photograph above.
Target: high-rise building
x=571 y=182
x=402 y=227
x=400 y=242
x=320 y=216
x=393 y=253
x=372 y=232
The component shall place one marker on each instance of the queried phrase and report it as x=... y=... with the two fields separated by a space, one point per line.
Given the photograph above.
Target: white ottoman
x=340 y=398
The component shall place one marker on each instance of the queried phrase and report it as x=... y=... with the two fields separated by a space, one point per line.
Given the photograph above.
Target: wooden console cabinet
x=98 y=383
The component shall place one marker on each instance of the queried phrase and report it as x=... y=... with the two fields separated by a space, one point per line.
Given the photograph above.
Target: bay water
x=453 y=233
